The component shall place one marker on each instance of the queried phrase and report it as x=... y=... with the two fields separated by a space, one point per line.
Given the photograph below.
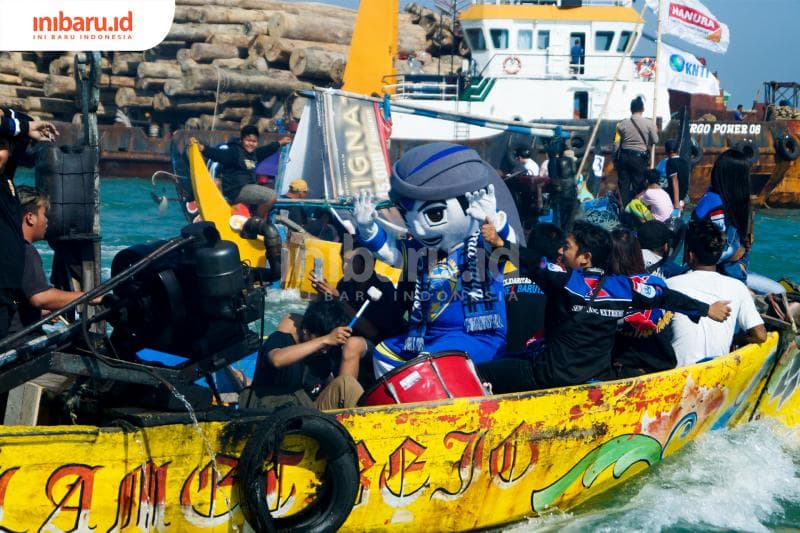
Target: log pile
x=226 y=65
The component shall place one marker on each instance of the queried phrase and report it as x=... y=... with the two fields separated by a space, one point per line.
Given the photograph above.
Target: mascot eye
x=436 y=216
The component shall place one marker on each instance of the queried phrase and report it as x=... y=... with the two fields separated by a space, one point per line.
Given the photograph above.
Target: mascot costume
x=444 y=193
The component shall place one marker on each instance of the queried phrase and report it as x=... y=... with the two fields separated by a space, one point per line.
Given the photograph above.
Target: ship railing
x=423 y=86
x=512 y=64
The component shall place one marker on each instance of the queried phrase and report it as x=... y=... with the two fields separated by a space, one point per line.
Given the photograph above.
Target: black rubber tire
x=749 y=149
x=696 y=154
x=787 y=147
x=337 y=494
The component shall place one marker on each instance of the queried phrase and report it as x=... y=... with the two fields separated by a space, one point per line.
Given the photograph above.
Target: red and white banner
x=85 y=24
x=693 y=22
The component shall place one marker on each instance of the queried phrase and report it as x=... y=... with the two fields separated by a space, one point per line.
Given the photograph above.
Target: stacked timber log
x=226 y=65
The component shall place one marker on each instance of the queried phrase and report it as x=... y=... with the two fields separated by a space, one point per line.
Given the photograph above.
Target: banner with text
x=681 y=71
x=693 y=22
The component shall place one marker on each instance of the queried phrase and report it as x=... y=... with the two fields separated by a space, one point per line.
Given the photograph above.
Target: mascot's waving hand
x=443 y=192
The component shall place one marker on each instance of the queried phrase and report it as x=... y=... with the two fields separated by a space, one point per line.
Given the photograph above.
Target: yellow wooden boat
x=449 y=465
x=301 y=249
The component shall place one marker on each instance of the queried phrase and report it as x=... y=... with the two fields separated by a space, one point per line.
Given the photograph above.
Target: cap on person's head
x=637 y=105
x=653 y=235
x=298 y=185
x=438 y=171
x=671 y=146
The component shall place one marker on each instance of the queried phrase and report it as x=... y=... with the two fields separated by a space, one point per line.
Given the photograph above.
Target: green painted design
x=478 y=91
x=622 y=452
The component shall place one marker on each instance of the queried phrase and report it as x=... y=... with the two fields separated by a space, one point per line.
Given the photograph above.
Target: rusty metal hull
x=439 y=466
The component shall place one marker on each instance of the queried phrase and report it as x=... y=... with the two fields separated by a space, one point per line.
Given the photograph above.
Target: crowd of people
x=583 y=303
x=578 y=302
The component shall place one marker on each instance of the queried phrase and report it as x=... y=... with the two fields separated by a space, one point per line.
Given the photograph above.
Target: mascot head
x=428 y=185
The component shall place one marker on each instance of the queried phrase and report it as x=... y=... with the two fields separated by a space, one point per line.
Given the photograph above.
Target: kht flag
x=693 y=22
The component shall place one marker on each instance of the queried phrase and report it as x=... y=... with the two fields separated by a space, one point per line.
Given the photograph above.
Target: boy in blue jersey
x=588 y=302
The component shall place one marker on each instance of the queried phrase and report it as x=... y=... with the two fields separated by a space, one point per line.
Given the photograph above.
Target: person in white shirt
x=655 y=198
x=707 y=339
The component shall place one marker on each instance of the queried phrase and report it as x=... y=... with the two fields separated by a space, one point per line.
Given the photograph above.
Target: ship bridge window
x=499 y=38
x=476 y=41
x=624 y=39
x=543 y=40
x=525 y=39
x=603 y=40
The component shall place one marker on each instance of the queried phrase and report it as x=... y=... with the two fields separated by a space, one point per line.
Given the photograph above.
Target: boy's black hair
x=323 y=315
x=705 y=241
x=595 y=240
x=30 y=198
x=248 y=130
x=546 y=240
x=637 y=105
x=671 y=146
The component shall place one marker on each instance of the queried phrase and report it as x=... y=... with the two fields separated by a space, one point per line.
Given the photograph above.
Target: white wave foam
x=738 y=479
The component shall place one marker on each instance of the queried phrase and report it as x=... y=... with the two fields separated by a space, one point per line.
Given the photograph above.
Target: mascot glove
x=482 y=205
x=364 y=213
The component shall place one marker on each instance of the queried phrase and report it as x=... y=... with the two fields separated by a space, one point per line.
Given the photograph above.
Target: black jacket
x=238 y=167
x=580 y=332
x=14 y=127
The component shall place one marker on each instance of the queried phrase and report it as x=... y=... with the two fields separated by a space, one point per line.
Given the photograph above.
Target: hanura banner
x=682 y=71
x=355 y=156
x=693 y=22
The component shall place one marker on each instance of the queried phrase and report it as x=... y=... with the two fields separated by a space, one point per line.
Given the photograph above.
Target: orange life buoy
x=646 y=67
x=512 y=65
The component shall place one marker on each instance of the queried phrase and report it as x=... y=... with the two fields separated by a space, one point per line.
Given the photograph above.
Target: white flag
x=693 y=22
x=681 y=71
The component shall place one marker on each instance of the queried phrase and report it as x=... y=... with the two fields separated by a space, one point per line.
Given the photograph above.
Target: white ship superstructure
x=524 y=67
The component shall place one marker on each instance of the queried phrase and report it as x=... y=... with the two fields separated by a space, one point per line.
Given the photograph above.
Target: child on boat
x=588 y=302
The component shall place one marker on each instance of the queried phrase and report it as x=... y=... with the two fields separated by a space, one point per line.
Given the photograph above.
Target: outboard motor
x=192 y=302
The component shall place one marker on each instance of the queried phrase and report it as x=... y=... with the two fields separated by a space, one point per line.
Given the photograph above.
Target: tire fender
x=336 y=495
x=697 y=153
x=749 y=149
x=787 y=147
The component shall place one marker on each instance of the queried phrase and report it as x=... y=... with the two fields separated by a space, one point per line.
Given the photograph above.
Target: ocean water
x=745 y=479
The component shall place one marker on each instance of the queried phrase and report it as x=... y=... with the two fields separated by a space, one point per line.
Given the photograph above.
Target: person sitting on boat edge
x=655 y=198
x=382 y=319
x=239 y=163
x=655 y=239
x=694 y=342
x=526 y=302
x=36 y=294
x=727 y=204
x=297 y=361
x=298 y=189
x=587 y=301
x=643 y=343
x=443 y=191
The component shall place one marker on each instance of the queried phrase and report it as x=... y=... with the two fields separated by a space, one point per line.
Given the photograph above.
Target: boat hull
x=441 y=466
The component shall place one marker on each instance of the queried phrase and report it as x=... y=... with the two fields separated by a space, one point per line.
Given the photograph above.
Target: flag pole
x=658 y=69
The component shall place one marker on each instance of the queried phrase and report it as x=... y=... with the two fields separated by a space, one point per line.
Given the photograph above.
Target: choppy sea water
x=745 y=479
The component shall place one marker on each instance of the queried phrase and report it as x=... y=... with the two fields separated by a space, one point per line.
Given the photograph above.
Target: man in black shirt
x=296 y=362
x=239 y=163
x=677 y=175
x=587 y=304
x=525 y=300
x=16 y=131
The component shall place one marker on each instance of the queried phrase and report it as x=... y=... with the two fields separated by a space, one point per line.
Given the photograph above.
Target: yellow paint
x=301 y=250
x=439 y=466
x=373 y=47
x=545 y=13
x=214 y=208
